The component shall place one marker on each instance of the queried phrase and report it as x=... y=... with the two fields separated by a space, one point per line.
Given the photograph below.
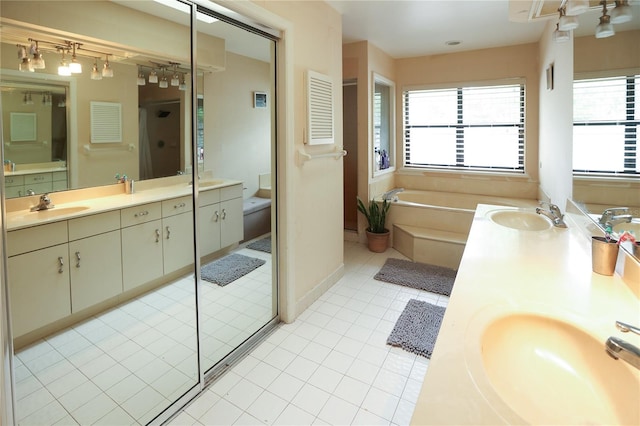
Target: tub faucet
x=614 y=216
x=554 y=214
x=44 y=204
x=392 y=194
x=619 y=349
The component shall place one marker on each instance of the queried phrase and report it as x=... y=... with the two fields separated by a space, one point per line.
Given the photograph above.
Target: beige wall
x=519 y=61
x=237 y=135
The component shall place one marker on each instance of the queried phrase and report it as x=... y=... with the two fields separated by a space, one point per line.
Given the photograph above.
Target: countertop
x=97 y=200
x=34 y=171
x=509 y=271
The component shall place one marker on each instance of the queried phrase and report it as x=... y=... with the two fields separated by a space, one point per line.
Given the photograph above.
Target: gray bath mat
x=417 y=328
x=261 y=245
x=435 y=279
x=229 y=268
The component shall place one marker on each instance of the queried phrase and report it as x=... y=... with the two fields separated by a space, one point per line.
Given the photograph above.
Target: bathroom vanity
x=523 y=337
x=89 y=253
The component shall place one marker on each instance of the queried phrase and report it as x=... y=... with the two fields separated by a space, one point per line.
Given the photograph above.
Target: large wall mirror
x=606 y=158
x=122 y=344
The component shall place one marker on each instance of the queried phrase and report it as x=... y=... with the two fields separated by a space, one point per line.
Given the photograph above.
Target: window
x=606 y=123
x=479 y=128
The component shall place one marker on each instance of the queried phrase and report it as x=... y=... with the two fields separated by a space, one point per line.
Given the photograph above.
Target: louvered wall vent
x=319 y=109
x=106 y=122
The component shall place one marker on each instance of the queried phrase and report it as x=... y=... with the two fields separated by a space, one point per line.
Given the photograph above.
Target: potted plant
x=376 y=214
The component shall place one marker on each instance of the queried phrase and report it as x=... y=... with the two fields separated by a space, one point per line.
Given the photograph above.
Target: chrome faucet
x=44 y=204
x=619 y=349
x=554 y=214
x=614 y=216
x=392 y=194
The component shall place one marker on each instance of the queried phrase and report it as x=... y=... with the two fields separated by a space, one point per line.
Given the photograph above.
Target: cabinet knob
x=179 y=206
x=224 y=214
x=157 y=235
x=60 y=265
x=168 y=232
x=139 y=214
x=217 y=216
x=77 y=259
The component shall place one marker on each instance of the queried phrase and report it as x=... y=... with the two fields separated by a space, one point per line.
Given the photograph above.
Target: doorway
x=350 y=163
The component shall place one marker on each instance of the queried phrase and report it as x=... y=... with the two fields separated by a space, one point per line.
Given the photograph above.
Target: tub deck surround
x=84 y=202
x=505 y=271
x=432 y=227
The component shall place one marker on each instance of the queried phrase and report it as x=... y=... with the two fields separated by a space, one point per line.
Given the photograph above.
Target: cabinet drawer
x=59 y=185
x=39 y=188
x=36 y=237
x=206 y=198
x=230 y=192
x=58 y=176
x=140 y=214
x=13 y=180
x=37 y=178
x=176 y=206
x=87 y=226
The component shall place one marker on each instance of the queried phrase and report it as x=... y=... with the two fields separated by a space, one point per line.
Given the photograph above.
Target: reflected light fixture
x=63 y=68
x=604 y=28
x=153 y=76
x=566 y=23
x=183 y=84
x=164 y=83
x=175 y=80
x=560 y=36
x=621 y=13
x=75 y=67
x=95 y=72
x=37 y=60
x=141 y=80
x=107 y=71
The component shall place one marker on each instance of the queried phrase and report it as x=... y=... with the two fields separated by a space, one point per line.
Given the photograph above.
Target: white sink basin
x=550 y=372
x=520 y=220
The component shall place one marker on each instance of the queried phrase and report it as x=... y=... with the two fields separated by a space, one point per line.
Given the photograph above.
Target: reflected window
x=383 y=125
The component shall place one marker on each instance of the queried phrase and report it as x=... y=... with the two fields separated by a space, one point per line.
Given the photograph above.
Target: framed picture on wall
x=259 y=100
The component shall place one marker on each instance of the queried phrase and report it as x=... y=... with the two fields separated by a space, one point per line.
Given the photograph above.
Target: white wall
x=556 y=119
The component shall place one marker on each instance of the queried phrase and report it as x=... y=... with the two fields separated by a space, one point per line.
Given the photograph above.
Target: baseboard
x=315 y=293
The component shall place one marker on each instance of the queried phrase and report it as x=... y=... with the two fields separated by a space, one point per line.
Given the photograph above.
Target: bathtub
x=256 y=217
x=432 y=227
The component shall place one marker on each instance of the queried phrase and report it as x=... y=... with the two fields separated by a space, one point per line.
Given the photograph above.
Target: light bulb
x=63 y=69
x=75 y=67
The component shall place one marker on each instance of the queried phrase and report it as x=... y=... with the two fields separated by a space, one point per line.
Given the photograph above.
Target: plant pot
x=378 y=242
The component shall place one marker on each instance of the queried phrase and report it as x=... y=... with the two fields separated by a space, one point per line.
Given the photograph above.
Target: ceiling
x=407 y=28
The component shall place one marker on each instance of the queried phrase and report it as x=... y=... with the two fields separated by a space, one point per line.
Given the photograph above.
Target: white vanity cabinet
x=14 y=186
x=38 y=270
x=95 y=261
x=141 y=244
x=177 y=233
x=220 y=218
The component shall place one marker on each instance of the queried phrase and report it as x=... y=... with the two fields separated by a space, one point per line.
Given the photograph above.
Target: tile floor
x=331 y=366
x=126 y=365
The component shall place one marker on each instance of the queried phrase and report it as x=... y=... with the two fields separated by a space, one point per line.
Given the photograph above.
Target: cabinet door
x=96 y=269
x=141 y=253
x=209 y=221
x=232 y=228
x=177 y=245
x=39 y=288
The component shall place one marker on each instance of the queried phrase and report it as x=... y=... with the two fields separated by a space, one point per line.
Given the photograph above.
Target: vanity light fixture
x=25 y=64
x=566 y=23
x=577 y=7
x=560 y=36
x=183 y=84
x=75 y=67
x=95 y=72
x=141 y=80
x=37 y=60
x=153 y=76
x=164 y=83
x=175 y=80
x=63 y=68
x=604 y=28
x=621 y=13
x=107 y=71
